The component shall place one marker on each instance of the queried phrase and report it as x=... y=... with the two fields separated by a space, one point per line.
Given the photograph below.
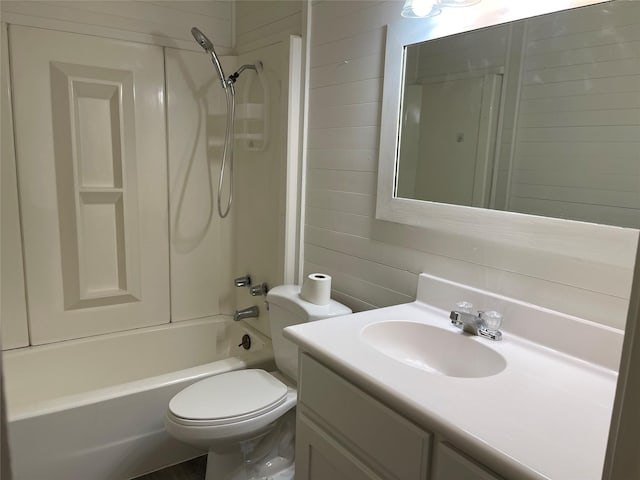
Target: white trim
x=292 y=214
x=622 y=461
x=304 y=132
x=556 y=236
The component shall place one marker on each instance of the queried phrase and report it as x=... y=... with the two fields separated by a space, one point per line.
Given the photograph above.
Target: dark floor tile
x=192 y=470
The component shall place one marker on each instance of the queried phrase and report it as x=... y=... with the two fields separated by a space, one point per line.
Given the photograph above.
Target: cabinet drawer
x=371 y=430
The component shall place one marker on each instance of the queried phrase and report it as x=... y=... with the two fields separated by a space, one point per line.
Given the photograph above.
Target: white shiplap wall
x=578 y=138
x=262 y=31
x=166 y=23
x=376 y=263
x=265 y=22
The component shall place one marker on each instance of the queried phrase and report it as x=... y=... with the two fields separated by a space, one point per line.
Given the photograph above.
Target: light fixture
x=457 y=3
x=431 y=8
x=420 y=9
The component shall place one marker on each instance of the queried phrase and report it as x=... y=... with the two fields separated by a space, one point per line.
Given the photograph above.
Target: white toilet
x=245 y=418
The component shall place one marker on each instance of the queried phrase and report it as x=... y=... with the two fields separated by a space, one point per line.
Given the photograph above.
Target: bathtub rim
x=239 y=361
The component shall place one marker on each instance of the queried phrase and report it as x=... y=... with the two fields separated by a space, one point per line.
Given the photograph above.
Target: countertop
x=545 y=416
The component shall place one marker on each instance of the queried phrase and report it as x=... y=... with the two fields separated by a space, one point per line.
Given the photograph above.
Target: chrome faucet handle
x=484 y=324
x=261 y=289
x=243 y=281
x=463 y=307
x=455 y=318
x=491 y=323
x=468 y=322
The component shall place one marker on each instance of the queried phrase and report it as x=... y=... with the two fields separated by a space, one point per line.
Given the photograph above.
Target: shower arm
x=234 y=76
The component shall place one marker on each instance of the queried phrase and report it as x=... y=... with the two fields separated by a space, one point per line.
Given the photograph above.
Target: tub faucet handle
x=261 y=289
x=243 y=281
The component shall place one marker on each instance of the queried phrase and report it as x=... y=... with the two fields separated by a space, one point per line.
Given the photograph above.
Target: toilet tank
x=287 y=308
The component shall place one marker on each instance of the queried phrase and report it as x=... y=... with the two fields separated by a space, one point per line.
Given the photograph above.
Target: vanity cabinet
x=450 y=464
x=342 y=429
x=319 y=456
x=344 y=433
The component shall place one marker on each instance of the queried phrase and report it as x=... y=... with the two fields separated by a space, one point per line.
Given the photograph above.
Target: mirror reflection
x=540 y=116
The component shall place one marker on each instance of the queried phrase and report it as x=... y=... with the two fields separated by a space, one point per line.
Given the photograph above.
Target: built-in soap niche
x=252 y=111
x=252 y=106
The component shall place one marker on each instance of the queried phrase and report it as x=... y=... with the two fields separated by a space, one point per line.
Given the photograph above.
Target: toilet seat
x=228 y=398
x=230 y=406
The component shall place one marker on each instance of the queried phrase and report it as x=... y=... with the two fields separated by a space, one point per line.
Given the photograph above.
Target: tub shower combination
x=95 y=406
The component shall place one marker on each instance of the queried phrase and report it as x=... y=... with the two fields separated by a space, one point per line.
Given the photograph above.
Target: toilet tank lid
x=288 y=298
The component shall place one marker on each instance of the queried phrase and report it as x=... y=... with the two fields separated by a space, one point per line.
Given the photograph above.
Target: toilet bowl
x=246 y=418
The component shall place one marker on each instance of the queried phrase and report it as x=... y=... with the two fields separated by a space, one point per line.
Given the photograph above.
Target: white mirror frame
x=580 y=239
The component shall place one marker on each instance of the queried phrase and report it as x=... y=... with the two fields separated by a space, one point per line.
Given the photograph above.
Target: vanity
x=402 y=393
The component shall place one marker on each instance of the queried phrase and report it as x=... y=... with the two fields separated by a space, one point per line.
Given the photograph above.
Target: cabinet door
x=320 y=457
x=92 y=170
x=451 y=465
x=385 y=440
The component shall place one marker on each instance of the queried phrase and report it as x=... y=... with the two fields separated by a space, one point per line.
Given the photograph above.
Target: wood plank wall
x=166 y=23
x=578 y=139
x=263 y=22
x=375 y=263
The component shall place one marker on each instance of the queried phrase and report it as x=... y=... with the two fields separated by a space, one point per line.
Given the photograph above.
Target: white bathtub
x=93 y=409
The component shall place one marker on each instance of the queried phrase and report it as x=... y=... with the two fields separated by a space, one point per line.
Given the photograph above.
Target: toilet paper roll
x=316 y=288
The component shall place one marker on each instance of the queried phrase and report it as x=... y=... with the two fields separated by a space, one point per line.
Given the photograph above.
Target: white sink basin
x=433 y=349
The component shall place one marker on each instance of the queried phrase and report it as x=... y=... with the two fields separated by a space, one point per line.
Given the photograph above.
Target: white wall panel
x=13 y=313
x=353 y=115
x=201 y=243
x=264 y=212
x=363 y=160
x=166 y=23
x=265 y=22
x=343 y=181
x=334 y=220
x=92 y=182
x=365 y=91
x=349 y=21
x=340 y=218
x=360 y=137
x=263 y=28
x=356 y=203
x=350 y=69
x=570 y=49
x=627 y=84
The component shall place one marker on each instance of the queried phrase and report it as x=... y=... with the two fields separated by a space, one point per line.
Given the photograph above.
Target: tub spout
x=249 y=312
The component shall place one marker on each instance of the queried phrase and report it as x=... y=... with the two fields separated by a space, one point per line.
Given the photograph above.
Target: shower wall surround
x=190 y=257
x=375 y=263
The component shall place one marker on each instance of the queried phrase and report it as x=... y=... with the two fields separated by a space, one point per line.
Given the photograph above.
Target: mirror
x=538 y=116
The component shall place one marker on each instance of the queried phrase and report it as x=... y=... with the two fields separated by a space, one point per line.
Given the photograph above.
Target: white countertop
x=545 y=416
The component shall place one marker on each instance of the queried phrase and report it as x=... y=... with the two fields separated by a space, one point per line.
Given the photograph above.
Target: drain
x=246 y=342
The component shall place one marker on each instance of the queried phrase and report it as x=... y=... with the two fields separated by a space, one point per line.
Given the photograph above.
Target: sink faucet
x=484 y=324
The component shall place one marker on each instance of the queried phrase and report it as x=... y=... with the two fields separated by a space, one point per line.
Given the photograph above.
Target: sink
x=433 y=349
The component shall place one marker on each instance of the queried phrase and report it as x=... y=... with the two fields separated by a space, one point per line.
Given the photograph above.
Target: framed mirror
x=533 y=120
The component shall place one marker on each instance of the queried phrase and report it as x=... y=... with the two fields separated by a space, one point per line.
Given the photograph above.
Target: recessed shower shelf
x=250 y=111
x=217 y=142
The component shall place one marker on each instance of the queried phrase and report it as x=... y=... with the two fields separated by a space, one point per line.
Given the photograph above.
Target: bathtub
x=93 y=409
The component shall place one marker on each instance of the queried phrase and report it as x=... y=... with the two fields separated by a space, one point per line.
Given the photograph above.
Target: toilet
x=246 y=418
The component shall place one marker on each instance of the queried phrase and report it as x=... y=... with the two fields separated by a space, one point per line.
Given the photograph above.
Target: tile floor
x=192 y=470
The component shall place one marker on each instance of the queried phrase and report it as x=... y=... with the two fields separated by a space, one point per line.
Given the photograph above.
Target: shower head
x=202 y=39
x=207 y=45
